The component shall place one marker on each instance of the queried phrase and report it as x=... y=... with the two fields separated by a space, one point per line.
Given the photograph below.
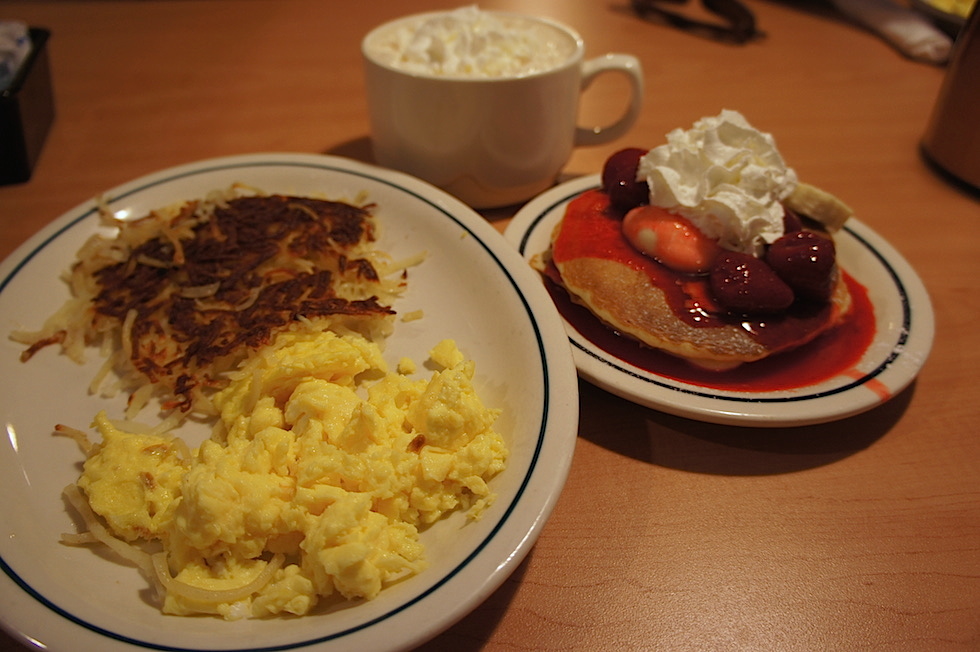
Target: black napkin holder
x=26 y=112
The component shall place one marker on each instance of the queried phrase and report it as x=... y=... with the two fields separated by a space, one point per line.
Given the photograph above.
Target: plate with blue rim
x=904 y=327
x=472 y=287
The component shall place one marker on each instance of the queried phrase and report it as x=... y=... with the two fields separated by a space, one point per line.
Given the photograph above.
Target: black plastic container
x=26 y=113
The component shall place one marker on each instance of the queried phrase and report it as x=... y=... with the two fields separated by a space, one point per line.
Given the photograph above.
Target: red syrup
x=833 y=353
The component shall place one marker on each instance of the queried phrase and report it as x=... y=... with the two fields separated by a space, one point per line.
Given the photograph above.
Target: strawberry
x=745 y=284
x=620 y=182
x=805 y=260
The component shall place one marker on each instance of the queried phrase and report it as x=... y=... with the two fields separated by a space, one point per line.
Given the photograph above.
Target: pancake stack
x=650 y=274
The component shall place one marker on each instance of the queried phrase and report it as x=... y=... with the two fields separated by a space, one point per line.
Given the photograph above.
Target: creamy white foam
x=468 y=42
x=725 y=176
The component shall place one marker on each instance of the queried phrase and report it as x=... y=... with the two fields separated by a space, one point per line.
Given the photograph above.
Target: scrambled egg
x=320 y=473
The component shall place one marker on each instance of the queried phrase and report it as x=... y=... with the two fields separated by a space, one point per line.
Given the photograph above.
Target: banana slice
x=819 y=205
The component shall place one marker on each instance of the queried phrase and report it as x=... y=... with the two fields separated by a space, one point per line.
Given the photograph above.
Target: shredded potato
x=176 y=298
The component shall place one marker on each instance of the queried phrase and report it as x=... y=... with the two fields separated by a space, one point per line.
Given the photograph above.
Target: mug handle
x=622 y=63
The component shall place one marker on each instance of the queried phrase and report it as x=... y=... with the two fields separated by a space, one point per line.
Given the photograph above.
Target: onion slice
x=198 y=594
x=101 y=533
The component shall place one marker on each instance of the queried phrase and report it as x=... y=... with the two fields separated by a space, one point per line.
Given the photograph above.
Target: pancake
x=659 y=308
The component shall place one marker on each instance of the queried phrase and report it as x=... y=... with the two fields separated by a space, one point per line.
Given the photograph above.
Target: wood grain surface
x=671 y=534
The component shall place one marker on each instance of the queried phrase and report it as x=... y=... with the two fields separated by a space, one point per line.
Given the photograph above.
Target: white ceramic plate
x=903 y=315
x=473 y=287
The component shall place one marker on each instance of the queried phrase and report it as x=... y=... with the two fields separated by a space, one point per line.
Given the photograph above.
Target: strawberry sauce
x=593 y=229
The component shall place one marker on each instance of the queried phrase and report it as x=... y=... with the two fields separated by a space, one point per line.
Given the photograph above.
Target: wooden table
x=671 y=534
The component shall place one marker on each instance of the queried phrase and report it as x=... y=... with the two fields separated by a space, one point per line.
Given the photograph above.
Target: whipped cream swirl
x=726 y=177
x=468 y=42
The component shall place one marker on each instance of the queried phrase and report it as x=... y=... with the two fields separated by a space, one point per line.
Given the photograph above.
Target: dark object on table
x=952 y=137
x=737 y=26
x=26 y=113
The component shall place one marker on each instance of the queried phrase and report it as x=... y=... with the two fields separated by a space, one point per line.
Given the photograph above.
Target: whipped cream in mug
x=726 y=177
x=468 y=42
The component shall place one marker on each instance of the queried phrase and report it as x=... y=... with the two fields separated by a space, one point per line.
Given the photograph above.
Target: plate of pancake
x=862 y=362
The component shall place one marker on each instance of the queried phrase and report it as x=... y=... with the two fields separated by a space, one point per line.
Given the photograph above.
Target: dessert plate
x=472 y=287
x=902 y=313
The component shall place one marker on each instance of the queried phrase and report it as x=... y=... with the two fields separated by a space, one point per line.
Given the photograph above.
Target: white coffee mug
x=490 y=141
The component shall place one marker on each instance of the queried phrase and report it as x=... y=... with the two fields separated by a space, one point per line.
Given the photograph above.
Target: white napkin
x=901 y=26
